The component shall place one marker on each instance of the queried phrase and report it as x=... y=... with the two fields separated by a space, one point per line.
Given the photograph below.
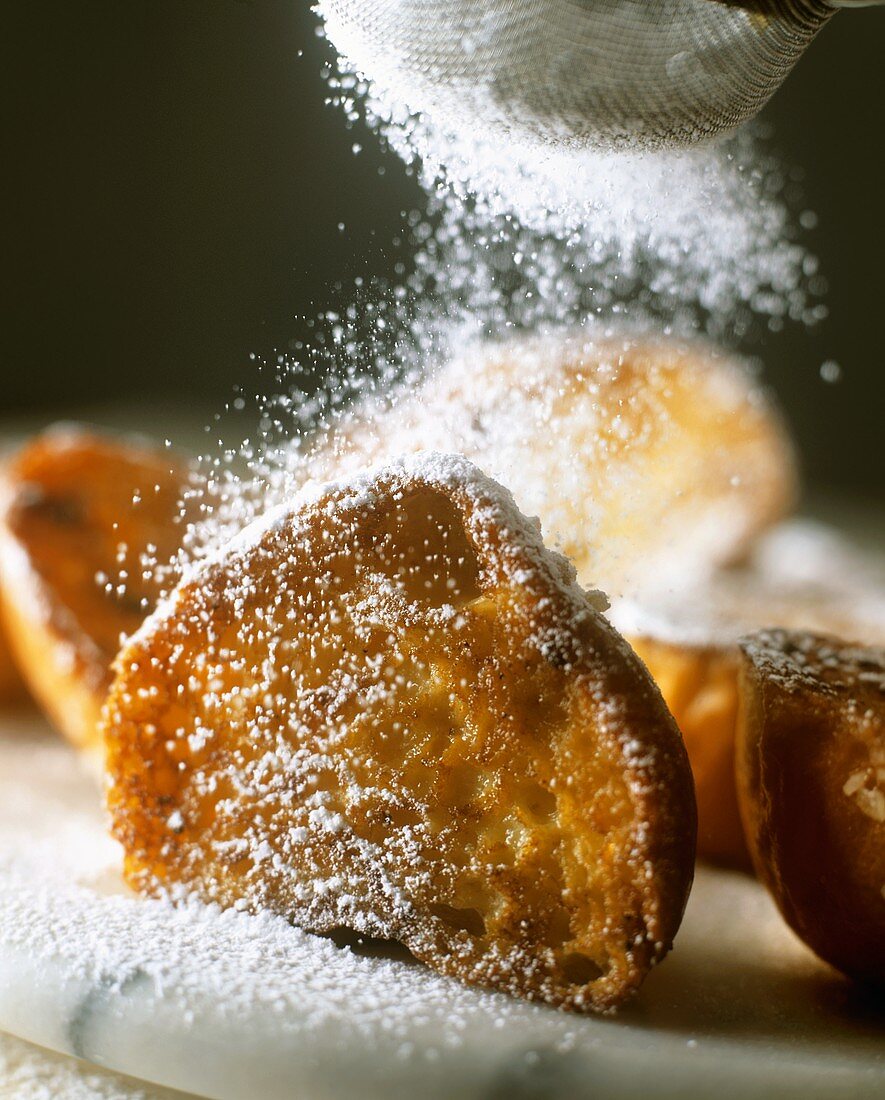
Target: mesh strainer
x=578 y=73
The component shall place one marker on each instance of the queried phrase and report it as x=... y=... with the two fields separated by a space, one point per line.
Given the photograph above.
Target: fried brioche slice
x=811 y=780
x=645 y=458
x=392 y=710
x=82 y=517
x=801 y=575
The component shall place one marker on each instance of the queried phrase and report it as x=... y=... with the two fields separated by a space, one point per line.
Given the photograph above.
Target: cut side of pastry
x=84 y=520
x=388 y=708
x=811 y=780
x=802 y=575
x=646 y=459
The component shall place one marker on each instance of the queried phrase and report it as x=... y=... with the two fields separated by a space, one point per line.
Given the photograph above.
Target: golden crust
x=77 y=508
x=644 y=458
x=392 y=710
x=811 y=781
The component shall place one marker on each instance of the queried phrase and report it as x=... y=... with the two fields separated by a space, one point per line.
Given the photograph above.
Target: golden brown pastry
x=82 y=518
x=811 y=779
x=392 y=710
x=645 y=459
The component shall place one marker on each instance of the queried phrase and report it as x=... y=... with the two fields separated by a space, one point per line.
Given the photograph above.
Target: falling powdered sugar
x=668 y=230
x=514 y=240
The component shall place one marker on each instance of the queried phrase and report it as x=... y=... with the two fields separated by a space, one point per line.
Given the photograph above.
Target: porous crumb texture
x=811 y=773
x=391 y=710
x=86 y=522
x=646 y=459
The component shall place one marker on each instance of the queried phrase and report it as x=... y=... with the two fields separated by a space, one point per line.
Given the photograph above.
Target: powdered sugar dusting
x=801 y=574
x=390 y=708
x=62 y=900
x=29 y=1072
x=842 y=686
x=643 y=457
x=515 y=242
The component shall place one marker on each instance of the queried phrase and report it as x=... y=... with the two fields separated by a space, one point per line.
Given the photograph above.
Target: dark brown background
x=177 y=183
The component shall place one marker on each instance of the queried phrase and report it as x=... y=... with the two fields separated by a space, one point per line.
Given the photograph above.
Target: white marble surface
x=229 y=1006
x=29 y=1072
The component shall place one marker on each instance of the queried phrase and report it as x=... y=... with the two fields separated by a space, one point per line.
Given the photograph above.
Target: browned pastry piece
x=392 y=710
x=811 y=781
x=83 y=517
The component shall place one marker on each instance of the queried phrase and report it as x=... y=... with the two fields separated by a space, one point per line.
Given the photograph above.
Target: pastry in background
x=12 y=688
x=389 y=708
x=699 y=685
x=84 y=519
x=811 y=779
x=648 y=460
x=801 y=575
